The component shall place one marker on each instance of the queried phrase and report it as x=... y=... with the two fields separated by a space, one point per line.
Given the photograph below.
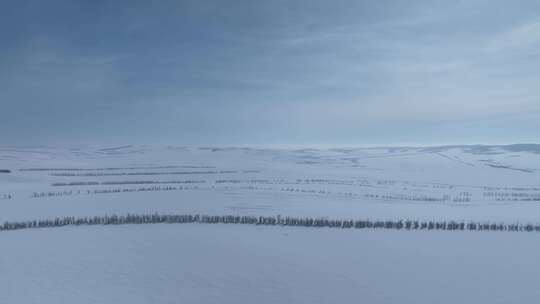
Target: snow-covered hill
x=458 y=182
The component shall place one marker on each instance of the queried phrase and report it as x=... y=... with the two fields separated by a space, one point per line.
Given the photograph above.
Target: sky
x=241 y=72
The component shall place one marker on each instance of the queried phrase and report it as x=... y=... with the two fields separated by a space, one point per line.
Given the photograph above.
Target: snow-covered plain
x=194 y=263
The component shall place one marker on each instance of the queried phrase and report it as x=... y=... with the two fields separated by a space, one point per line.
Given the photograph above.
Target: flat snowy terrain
x=196 y=263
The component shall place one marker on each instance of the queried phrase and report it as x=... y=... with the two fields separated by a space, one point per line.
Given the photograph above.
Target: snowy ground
x=196 y=263
x=223 y=264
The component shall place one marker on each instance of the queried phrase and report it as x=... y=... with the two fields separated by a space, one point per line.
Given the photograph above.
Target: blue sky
x=269 y=72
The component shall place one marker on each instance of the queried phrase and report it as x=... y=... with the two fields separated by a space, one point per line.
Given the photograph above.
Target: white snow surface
x=196 y=263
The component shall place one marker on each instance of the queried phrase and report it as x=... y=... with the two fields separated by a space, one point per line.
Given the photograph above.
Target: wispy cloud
x=523 y=36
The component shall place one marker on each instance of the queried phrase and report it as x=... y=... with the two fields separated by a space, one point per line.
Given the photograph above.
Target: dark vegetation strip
x=152 y=188
x=5 y=171
x=510 y=168
x=152 y=173
x=126 y=183
x=115 y=168
x=407 y=225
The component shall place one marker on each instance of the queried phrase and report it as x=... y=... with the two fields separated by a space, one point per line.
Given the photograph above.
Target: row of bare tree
x=268 y=221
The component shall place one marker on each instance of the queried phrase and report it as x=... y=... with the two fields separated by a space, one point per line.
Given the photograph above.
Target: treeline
x=112 y=190
x=382 y=196
x=114 y=168
x=127 y=183
x=512 y=196
x=511 y=188
x=5 y=171
x=64 y=174
x=268 y=221
x=286 y=182
x=462 y=197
